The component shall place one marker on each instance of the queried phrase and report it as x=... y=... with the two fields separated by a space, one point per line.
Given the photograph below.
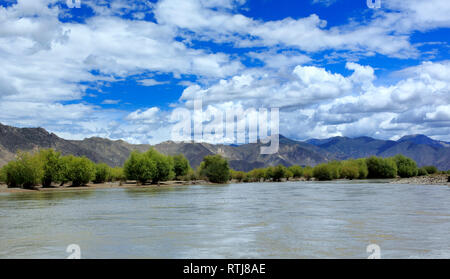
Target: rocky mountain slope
x=424 y=150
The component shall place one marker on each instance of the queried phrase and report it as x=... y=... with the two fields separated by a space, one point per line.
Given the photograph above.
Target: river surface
x=256 y=220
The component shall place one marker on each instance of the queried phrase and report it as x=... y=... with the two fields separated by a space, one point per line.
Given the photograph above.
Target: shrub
x=288 y=174
x=80 y=170
x=256 y=175
x=350 y=169
x=2 y=175
x=268 y=173
x=215 y=169
x=140 y=167
x=308 y=172
x=422 y=172
x=381 y=168
x=323 y=172
x=431 y=169
x=53 y=168
x=102 y=173
x=117 y=174
x=180 y=165
x=278 y=173
x=335 y=169
x=238 y=175
x=164 y=165
x=363 y=171
x=26 y=171
x=406 y=167
x=296 y=171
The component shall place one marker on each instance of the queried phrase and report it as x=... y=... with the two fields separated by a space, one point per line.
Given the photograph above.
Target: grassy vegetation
x=48 y=167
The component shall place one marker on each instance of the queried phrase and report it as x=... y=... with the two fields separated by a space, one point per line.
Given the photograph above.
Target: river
x=255 y=220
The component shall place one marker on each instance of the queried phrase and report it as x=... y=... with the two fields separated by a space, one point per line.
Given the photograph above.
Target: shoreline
x=436 y=179
x=107 y=185
x=433 y=179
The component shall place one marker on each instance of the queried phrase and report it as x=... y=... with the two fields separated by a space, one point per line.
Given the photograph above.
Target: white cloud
x=150 y=115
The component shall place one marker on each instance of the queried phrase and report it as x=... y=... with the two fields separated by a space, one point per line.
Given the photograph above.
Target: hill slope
x=424 y=150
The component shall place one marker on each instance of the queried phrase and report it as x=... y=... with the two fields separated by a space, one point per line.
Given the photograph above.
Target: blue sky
x=119 y=68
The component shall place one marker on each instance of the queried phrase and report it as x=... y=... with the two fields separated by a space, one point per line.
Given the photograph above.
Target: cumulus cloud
x=48 y=65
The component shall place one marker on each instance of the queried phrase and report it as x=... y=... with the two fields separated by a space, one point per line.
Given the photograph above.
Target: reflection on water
x=256 y=220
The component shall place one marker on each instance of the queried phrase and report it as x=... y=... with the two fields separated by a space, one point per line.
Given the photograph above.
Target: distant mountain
x=424 y=150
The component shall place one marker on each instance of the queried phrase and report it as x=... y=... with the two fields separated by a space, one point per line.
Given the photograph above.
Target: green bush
x=278 y=173
x=308 y=172
x=296 y=171
x=431 y=169
x=363 y=171
x=181 y=165
x=268 y=173
x=81 y=170
x=140 y=167
x=256 y=175
x=117 y=174
x=335 y=168
x=381 y=167
x=53 y=167
x=323 y=172
x=215 y=169
x=164 y=165
x=26 y=171
x=237 y=175
x=350 y=169
x=406 y=167
x=422 y=172
x=2 y=175
x=102 y=173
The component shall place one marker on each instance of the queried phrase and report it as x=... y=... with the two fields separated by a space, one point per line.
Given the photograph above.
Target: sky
x=118 y=69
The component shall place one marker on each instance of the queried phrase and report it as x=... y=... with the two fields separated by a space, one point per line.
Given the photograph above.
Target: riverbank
x=4 y=188
x=434 y=179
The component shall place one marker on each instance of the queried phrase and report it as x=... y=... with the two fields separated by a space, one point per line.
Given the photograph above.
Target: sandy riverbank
x=434 y=179
x=5 y=189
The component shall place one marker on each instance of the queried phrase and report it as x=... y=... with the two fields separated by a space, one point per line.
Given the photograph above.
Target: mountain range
x=424 y=150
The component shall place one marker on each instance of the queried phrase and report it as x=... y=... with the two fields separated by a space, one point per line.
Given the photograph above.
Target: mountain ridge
x=423 y=149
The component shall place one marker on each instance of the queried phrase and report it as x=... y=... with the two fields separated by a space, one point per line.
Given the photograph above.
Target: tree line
x=48 y=167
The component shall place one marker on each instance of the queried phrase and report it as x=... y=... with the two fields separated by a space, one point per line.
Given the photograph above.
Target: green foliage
x=268 y=173
x=256 y=175
x=335 y=168
x=102 y=173
x=279 y=172
x=140 y=167
x=406 y=167
x=164 y=165
x=323 y=172
x=238 y=175
x=181 y=165
x=350 y=169
x=381 y=167
x=53 y=166
x=422 y=172
x=26 y=171
x=117 y=174
x=215 y=169
x=3 y=175
x=362 y=168
x=296 y=171
x=308 y=172
x=431 y=169
x=80 y=170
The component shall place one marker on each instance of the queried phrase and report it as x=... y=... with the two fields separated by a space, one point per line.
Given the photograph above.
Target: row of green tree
x=372 y=167
x=48 y=167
